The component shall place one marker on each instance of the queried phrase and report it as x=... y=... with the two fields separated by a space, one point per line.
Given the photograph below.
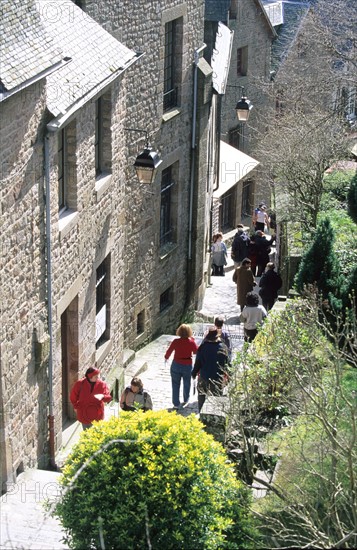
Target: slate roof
x=216 y=10
x=25 y=48
x=293 y=13
x=96 y=55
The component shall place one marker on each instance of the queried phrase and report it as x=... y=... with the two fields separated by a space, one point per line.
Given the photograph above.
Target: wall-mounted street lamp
x=147 y=162
x=243 y=107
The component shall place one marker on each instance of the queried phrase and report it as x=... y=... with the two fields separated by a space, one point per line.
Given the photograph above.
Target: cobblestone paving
x=24 y=524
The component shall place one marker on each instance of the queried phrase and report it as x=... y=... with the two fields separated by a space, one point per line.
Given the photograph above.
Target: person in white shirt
x=253 y=315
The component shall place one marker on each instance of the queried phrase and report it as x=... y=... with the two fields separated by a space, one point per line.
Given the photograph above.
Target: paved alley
x=24 y=523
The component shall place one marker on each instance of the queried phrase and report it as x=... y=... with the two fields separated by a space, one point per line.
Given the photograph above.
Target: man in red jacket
x=88 y=396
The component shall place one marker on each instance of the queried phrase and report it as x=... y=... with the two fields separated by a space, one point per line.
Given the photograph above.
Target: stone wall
x=23 y=309
x=251 y=30
x=110 y=218
x=95 y=233
x=150 y=269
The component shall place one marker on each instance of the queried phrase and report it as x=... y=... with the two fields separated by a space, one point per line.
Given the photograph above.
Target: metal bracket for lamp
x=243 y=107
x=147 y=162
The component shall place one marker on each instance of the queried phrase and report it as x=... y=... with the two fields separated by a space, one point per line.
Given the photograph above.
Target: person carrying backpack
x=134 y=397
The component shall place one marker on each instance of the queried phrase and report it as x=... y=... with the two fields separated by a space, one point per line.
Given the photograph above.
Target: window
x=140 y=323
x=172 y=63
x=279 y=103
x=166 y=299
x=235 y=136
x=102 y=319
x=168 y=205
x=246 y=198
x=102 y=141
x=67 y=173
x=233 y=9
x=242 y=61
x=62 y=170
x=348 y=104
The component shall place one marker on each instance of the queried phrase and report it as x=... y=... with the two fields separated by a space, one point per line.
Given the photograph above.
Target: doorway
x=70 y=362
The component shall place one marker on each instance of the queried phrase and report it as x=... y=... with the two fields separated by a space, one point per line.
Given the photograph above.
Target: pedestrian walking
x=260 y=218
x=252 y=254
x=252 y=316
x=219 y=255
x=262 y=247
x=240 y=246
x=211 y=365
x=88 y=396
x=244 y=279
x=223 y=335
x=183 y=347
x=134 y=397
x=269 y=284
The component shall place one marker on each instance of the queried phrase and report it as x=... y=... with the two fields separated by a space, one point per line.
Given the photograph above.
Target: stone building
x=165 y=235
x=92 y=262
x=248 y=71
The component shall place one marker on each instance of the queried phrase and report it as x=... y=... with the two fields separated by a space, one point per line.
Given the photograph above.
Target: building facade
x=92 y=261
x=248 y=72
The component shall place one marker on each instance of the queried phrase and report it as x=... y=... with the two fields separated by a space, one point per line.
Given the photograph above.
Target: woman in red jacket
x=88 y=396
x=181 y=366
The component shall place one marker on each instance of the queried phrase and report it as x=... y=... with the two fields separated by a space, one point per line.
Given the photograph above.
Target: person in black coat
x=269 y=284
x=240 y=246
x=262 y=247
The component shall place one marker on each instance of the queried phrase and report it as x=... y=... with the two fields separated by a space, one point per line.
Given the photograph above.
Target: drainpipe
x=51 y=422
x=193 y=147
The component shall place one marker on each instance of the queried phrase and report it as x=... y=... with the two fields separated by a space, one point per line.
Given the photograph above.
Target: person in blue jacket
x=211 y=364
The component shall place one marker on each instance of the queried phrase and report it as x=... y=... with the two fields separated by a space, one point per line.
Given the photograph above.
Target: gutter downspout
x=51 y=427
x=193 y=147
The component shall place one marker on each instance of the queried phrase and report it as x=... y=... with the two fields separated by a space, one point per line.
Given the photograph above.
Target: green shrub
x=316 y=495
x=352 y=199
x=319 y=265
x=152 y=480
x=284 y=345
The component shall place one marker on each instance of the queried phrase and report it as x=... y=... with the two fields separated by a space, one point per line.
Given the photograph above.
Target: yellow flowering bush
x=152 y=480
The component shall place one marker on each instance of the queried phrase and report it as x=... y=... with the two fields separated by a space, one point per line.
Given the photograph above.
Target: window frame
x=102 y=300
x=166 y=225
x=242 y=61
x=62 y=171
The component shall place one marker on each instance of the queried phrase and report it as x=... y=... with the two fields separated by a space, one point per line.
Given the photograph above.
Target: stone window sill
x=102 y=352
x=102 y=184
x=67 y=220
x=167 y=249
x=171 y=114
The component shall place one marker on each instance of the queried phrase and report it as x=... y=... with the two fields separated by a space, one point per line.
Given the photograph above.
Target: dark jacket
x=270 y=283
x=240 y=247
x=211 y=360
x=262 y=247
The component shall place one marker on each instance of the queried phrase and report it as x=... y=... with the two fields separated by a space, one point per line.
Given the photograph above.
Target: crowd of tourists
x=207 y=363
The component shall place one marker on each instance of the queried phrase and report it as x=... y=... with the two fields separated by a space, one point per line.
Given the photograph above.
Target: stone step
x=134 y=368
x=128 y=356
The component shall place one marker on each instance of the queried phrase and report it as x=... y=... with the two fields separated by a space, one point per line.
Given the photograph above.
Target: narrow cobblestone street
x=24 y=523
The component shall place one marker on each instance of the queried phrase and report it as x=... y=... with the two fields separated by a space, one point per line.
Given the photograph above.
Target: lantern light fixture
x=147 y=162
x=243 y=107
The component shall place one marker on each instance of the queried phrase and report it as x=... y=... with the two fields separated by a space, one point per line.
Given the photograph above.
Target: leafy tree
x=152 y=480
x=319 y=265
x=307 y=130
x=311 y=500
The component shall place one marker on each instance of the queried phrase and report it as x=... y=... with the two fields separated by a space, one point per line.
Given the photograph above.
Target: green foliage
x=352 y=199
x=152 y=480
x=268 y=372
x=319 y=265
x=316 y=494
x=336 y=186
